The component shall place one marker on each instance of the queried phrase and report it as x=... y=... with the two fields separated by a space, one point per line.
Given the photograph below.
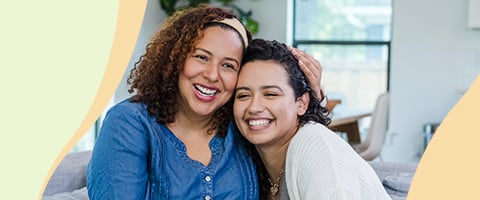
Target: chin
x=256 y=140
x=204 y=110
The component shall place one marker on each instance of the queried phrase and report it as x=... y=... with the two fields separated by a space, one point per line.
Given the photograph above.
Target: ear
x=302 y=104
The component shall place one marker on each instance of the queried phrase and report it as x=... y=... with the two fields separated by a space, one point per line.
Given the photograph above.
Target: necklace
x=276 y=184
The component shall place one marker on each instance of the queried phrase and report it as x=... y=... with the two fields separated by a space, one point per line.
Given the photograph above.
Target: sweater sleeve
x=321 y=165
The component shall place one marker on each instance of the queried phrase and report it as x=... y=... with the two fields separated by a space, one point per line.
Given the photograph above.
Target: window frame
x=297 y=42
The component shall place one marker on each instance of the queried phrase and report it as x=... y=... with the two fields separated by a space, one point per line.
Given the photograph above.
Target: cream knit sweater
x=321 y=165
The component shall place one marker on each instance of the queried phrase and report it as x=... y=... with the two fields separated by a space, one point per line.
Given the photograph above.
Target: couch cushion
x=383 y=169
x=398 y=184
x=80 y=194
x=395 y=177
x=70 y=174
x=399 y=181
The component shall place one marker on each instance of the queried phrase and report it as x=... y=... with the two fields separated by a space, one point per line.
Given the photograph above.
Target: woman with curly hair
x=283 y=118
x=171 y=139
x=175 y=138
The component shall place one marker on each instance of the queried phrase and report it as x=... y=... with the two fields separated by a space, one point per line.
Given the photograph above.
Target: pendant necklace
x=274 y=186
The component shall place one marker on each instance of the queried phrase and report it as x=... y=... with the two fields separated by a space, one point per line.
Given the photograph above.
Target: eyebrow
x=242 y=88
x=263 y=88
x=204 y=50
x=210 y=53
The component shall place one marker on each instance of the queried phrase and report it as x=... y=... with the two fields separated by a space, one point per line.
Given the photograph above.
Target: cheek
x=286 y=108
x=229 y=80
x=237 y=109
x=189 y=69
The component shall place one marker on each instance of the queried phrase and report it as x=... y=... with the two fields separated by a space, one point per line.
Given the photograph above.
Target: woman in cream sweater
x=276 y=110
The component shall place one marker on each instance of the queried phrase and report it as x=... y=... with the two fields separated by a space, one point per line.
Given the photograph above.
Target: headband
x=235 y=24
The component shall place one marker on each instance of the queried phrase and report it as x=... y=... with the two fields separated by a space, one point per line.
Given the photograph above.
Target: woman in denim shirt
x=172 y=140
x=175 y=138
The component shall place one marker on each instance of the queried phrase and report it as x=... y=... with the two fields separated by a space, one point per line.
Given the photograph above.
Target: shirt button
x=208 y=179
x=208 y=197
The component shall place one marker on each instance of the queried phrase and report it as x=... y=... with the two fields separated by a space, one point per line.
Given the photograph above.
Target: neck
x=194 y=135
x=191 y=121
x=186 y=127
x=273 y=159
x=187 y=118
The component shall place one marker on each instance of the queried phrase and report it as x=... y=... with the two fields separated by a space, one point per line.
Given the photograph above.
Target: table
x=346 y=120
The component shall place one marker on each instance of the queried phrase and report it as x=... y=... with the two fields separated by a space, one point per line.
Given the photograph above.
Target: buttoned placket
x=209 y=186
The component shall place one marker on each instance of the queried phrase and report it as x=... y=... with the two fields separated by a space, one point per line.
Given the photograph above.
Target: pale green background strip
x=53 y=56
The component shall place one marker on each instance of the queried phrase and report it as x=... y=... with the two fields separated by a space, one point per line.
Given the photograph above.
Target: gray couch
x=68 y=181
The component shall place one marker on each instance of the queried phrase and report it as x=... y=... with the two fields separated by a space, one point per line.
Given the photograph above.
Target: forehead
x=226 y=26
x=263 y=72
x=219 y=30
x=222 y=39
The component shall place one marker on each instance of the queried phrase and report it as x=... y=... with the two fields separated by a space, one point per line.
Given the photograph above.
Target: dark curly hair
x=154 y=77
x=260 y=49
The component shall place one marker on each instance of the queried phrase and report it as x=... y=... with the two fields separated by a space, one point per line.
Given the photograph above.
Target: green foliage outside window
x=170 y=6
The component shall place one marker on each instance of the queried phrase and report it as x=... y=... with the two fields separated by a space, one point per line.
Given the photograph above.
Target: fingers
x=311 y=67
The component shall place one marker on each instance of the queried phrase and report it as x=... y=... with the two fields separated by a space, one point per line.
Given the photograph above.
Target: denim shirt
x=136 y=158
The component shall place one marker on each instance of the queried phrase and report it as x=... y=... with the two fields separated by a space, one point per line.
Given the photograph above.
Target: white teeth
x=261 y=122
x=205 y=91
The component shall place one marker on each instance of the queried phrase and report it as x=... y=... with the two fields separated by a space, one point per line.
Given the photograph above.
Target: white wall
x=434 y=58
x=151 y=22
x=270 y=14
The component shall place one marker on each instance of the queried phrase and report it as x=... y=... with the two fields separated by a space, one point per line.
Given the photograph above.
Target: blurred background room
x=392 y=69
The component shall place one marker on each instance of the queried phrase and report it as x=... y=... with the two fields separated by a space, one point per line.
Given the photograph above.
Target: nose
x=211 y=72
x=256 y=105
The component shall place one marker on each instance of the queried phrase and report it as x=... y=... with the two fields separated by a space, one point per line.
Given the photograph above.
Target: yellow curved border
x=129 y=20
x=450 y=168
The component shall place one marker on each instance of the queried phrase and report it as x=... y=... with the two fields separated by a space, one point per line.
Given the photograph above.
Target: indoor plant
x=170 y=6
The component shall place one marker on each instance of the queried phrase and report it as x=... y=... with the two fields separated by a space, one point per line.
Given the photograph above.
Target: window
x=352 y=41
x=88 y=140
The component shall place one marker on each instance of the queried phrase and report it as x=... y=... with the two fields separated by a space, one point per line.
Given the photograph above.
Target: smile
x=205 y=91
x=261 y=122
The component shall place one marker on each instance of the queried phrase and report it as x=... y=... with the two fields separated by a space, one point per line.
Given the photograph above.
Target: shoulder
x=313 y=128
x=128 y=120
x=319 y=146
x=127 y=106
x=127 y=127
x=127 y=109
x=313 y=133
x=319 y=157
x=316 y=139
x=311 y=146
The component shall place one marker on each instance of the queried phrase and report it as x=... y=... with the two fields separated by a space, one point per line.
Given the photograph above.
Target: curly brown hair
x=154 y=76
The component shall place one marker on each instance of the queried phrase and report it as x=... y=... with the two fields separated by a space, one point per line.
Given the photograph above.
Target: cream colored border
x=450 y=166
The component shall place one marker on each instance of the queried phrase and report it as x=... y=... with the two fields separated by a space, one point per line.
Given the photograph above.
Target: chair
x=331 y=103
x=371 y=147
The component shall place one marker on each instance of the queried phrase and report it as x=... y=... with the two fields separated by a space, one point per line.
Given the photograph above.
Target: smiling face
x=208 y=78
x=265 y=108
